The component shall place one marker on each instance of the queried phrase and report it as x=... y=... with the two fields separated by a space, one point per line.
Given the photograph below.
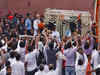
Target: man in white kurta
x=21 y=50
x=51 y=72
x=40 y=73
x=12 y=58
x=60 y=58
x=81 y=69
x=30 y=60
x=94 y=60
x=3 y=71
x=6 y=71
x=35 y=24
x=18 y=67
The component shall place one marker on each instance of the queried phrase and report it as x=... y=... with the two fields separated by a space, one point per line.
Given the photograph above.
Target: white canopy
x=57 y=13
x=67 y=12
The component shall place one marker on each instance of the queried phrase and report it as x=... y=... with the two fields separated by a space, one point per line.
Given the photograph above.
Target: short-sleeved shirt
x=30 y=58
x=28 y=24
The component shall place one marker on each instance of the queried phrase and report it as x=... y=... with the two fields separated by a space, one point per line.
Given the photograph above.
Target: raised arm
x=92 y=43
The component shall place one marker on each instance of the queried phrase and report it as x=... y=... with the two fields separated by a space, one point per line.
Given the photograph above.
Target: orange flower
x=41 y=25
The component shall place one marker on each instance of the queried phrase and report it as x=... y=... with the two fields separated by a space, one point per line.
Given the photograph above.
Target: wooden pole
x=97 y=18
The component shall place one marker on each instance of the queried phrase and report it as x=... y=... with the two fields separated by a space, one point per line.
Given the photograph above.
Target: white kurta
x=81 y=69
x=94 y=59
x=60 y=57
x=40 y=73
x=5 y=47
x=12 y=60
x=30 y=58
x=21 y=51
x=35 y=26
x=18 y=68
x=46 y=68
x=52 y=72
x=3 y=71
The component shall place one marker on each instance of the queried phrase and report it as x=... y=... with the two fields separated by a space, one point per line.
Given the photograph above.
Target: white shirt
x=18 y=46
x=12 y=60
x=30 y=58
x=36 y=22
x=81 y=67
x=18 y=68
x=56 y=33
x=5 y=47
x=40 y=73
x=98 y=66
x=94 y=59
x=46 y=68
x=21 y=51
x=35 y=26
x=3 y=71
x=60 y=57
x=52 y=72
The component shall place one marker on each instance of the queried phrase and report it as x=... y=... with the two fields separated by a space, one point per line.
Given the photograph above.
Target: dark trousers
x=63 y=71
x=28 y=32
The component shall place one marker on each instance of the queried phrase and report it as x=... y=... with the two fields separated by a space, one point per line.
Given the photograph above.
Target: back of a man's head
x=22 y=44
x=51 y=66
x=41 y=67
x=68 y=45
x=86 y=45
x=51 y=45
x=18 y=57
x=7 y=63
x=28 y=14
x=14 y=45
x=30 y=48
x=12 y=54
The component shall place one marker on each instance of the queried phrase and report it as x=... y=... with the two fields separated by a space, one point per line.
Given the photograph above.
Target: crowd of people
x=30 y=47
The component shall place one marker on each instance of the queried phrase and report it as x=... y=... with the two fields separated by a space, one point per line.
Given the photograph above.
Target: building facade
x=24 y=6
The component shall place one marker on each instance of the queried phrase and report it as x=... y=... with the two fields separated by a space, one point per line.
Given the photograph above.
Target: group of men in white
x=22 y=63
x=27 y=62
